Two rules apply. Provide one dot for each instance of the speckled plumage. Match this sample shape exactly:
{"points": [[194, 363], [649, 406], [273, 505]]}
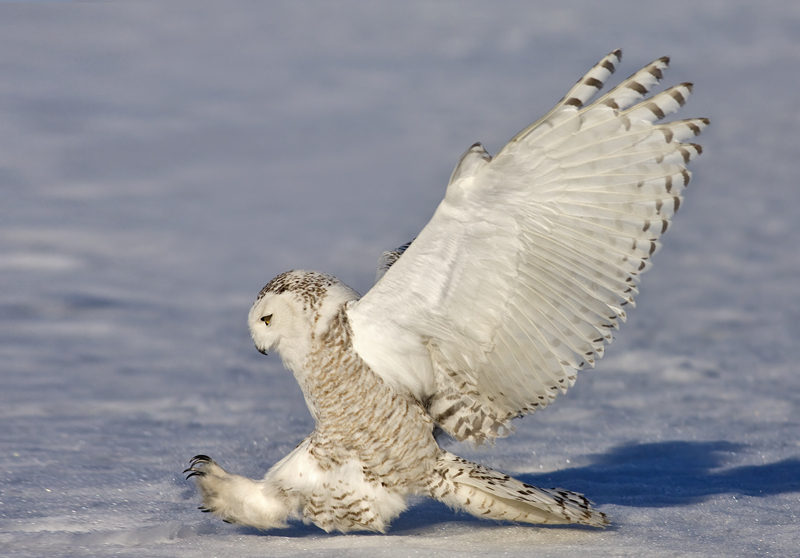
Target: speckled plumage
{"points": [[361, 420], [486, 316]]}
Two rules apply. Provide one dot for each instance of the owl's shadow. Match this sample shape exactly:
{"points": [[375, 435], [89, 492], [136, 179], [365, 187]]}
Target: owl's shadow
{"points": [[672, 473], [663, 474]]}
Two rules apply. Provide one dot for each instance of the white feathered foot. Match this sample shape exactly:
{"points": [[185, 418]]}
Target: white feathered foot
{"points": [[492, 495], [237, 499]]}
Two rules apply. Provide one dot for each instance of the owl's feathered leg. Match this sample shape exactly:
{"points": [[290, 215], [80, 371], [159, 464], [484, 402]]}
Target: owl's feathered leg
{"points": [[492, 495], [237, 499]]}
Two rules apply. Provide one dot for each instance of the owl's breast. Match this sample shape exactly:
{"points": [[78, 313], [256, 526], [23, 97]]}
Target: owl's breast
{"points": [[360, 417]]}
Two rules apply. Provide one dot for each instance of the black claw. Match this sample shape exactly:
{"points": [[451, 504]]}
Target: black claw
{"points": [[197, 460], [195, 474]]}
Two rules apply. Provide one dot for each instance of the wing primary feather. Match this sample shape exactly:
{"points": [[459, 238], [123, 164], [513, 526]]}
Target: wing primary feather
{"points": [[582, 92], [661, 105], [633, 89]]}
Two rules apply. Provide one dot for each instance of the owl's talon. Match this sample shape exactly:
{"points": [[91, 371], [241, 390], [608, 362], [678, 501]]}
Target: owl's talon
{"points": [[197, 466]]}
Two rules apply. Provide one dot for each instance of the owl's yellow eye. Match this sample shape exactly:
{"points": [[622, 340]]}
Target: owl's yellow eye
{"points": [[266, 319]]}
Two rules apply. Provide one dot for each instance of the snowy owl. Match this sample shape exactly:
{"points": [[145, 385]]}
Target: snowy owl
{"points": [[513, 286]]}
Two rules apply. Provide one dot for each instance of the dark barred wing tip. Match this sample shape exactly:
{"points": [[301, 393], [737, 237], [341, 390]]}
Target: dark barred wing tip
{"points": [[593, 81]]}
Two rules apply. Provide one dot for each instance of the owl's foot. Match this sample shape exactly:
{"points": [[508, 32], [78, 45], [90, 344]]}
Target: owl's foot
{"points": [[210, 478], [202, 466], [236, 499]]}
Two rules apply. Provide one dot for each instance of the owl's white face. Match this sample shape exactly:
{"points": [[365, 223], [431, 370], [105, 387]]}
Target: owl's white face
{"points": [[293, 308], [274, 318]]}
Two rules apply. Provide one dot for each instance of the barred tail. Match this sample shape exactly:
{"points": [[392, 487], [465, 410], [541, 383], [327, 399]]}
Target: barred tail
{"points": [[489, 494]]}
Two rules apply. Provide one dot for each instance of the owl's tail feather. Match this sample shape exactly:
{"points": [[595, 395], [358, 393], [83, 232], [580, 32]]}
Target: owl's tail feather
{"points": [[489, 494]]}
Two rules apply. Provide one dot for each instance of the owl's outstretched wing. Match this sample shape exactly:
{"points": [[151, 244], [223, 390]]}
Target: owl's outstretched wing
{"points": [[530, 260]]}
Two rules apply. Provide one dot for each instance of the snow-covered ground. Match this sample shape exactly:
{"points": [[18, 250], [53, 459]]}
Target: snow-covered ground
{"points": [[160, 162]]}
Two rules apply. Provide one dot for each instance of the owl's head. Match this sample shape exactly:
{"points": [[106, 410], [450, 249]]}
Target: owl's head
{"points": [[293, 309]]}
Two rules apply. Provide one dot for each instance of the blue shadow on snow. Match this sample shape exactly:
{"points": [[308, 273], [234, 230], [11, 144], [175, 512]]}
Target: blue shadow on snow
{"points": [[671, 473]]}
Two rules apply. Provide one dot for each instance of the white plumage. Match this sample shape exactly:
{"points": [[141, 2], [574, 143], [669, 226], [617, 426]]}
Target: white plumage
{"points": [[513, 286]]}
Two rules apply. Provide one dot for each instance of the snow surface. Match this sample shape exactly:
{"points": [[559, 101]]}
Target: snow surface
{"points": [[160, 162]]}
